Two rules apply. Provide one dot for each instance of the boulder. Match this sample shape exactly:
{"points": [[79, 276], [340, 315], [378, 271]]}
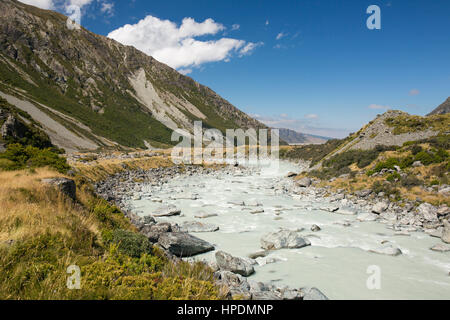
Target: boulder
{"points": [[195, 226], [166, 211], [266, 295], [380, 207], [183, 244], [446, 232], [291, 174], [204, 215], [304, 182], [387, 249], [283, 239], [363, 193], [64, 185], [443, 210], [440, 247], [330, 208], [312, 294], [427, 211], [346, 212], [315, 228], [237, 265], [367, 217]]}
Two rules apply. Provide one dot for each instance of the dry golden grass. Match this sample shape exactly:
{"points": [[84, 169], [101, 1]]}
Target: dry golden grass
{"points": [[29, 208]]}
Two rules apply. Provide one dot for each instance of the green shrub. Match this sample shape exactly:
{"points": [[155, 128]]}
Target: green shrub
{"points": [[411, 181], [21, 157], [393, 177], [108, 215], [131, 243]]}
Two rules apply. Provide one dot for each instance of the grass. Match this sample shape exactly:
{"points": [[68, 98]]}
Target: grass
{"points": [[409, 123], [49, 232]]}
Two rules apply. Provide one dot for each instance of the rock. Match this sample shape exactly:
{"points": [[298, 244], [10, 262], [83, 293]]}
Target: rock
{"points": [[315, 228], [304, 182], [236, 282], [312, 294], [443, 210], [440, 247], [204, 215], [237, 265], [259, 254], [257, 211], [283, 239], [291, 175], [427, 211], [417, 164], [346, 212], [389, 216], [166, 211], [446, 232], [183, 244], [436, 233], [265, 295], [367, 217], [13, 128], [363, 193], [380, 207], [195, 226], [252, 203], [330, 208], [387, 249], [64, 185]]}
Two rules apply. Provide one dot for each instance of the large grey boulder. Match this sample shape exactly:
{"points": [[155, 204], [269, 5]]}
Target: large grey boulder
{"points": [[196, 226], [367, 217], [304, 182], [380, 207], [227, 262], [204, 215], [64, 185], [283, 239], [446, 232], [183, 244], [166, 211], [313, 294], [427, 211]]}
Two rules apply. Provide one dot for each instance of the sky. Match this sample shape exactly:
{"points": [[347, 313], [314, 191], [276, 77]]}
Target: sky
{"points": [[313, 66]]}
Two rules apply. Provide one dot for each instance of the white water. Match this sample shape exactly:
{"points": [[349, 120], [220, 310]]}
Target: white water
{"points": [[338, 259]]}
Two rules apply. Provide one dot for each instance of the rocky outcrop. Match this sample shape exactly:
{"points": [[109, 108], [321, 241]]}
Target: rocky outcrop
{"points": [[64, 185], [166, 211], [446, 232], [13, 128], [227, 262]]}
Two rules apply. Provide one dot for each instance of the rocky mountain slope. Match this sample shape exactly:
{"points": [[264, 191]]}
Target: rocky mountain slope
{"points": [[88, 91], [293, 137], [442, 109]]}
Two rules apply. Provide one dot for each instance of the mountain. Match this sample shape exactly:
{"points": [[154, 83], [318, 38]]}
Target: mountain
{"points": [[293, 137], [442, 109], [88, 91]]}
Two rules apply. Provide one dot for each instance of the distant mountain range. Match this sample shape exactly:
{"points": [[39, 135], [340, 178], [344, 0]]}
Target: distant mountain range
{"points": [[88, 91], [293, 137], [442, 109]]}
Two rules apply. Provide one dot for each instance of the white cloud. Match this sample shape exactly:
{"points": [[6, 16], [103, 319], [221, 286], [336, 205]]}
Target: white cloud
{"points": [[377, 106], [43, 4], [108, 8], [249, 47], [235, 27], [176, 45], [267, 22], [311, 116], [280, 35], [414, 92]]}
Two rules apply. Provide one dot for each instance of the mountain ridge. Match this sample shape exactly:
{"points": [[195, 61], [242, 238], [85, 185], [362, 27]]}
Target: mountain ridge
{"points": [[110, 94]]}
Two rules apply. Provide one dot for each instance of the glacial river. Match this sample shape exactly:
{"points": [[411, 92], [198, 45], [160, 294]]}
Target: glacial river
{"points": [[338, 260]]}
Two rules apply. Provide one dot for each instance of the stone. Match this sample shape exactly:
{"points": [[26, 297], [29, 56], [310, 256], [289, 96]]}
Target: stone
{"points": [[380, 207], [330, 208], [313, 294], [291, 175], [363, 193], [183, 244], [304, 182], [387, 249], [346, 212], [265, 295], [259, 254], [440, 247], [283, 239], [227, 262], [367, 217], [195, 226], [166, 211], [443, 210], [64, 185], [204, 215], [315, 228], [417, 164], [427, 211], [446, 232]]}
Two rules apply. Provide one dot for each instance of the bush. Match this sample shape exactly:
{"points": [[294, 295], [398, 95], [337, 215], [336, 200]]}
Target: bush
{"points": [[110, 217], [393, 177], [411, 181], [386, 188], [131, 243], [21, 157]]}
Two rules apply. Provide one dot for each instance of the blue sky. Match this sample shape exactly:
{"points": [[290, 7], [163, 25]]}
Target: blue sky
{"points": [[308, 65]]}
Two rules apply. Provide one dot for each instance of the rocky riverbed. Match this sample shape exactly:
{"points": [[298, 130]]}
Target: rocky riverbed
{"points": [[265, 233]]}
